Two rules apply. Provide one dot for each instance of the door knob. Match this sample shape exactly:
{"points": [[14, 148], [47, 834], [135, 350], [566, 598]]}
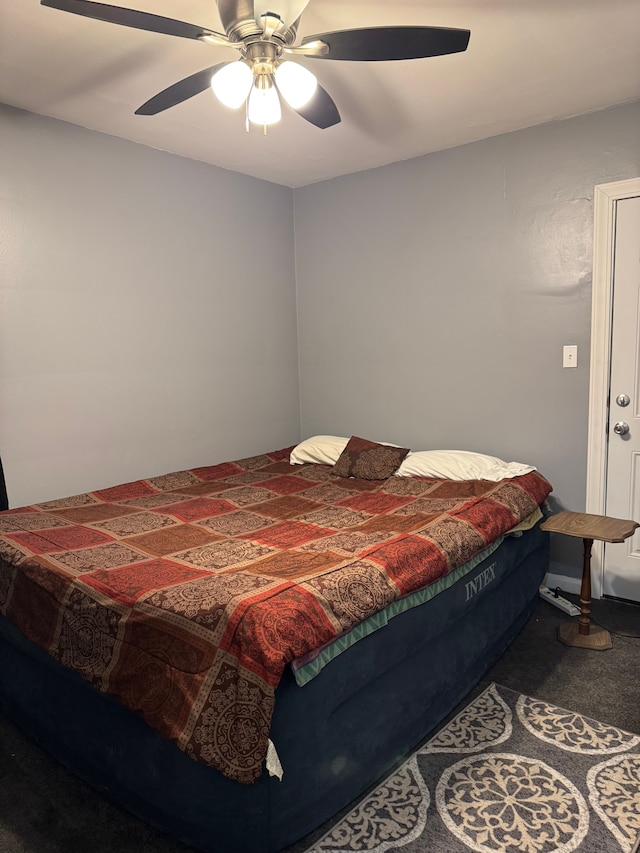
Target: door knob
{"points": [[621, 428]]}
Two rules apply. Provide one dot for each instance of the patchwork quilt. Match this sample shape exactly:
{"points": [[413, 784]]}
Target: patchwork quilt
{"points": [[184, 596]]}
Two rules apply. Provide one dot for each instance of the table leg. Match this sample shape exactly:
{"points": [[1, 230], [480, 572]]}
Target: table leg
{"points": [[584, 635], [585, 589]]}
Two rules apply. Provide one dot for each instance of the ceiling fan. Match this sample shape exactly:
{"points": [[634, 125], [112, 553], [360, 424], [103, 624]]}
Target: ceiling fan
{"points": [[265, 39]]}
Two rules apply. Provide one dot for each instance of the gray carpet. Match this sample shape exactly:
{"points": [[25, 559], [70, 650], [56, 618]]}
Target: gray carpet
{"points": [[44, 809]]}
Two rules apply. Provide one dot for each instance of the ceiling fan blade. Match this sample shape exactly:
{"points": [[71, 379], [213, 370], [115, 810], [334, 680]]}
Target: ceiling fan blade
{"points": [[321, 110], [378, 44], [179, 92], [287, 10], [131, 18]]}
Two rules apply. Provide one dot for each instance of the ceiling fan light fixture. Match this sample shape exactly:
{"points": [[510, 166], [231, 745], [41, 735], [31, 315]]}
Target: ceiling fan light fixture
{"points": [[263, 106], [262, 36], [296, 84], [232, 83]]}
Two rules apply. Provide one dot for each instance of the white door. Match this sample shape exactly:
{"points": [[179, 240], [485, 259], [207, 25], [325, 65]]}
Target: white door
{"points": [[621, 577]]}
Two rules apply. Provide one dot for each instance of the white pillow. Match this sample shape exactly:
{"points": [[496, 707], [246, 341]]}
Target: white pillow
{"points": [[459, 465], [319, 450]]}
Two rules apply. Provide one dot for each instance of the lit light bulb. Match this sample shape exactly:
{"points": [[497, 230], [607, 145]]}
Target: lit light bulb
{"points": [[264, 105], [296, 84], [231, 84]]}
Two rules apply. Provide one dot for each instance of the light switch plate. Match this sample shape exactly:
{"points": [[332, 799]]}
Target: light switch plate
{"points": [[570, 356]]}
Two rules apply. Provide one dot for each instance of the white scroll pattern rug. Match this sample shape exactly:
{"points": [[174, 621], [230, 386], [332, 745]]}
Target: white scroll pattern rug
{"points": [[509, 774]]}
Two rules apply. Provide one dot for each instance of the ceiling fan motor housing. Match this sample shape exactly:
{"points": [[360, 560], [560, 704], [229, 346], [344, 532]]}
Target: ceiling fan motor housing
{"points": [[237, 17]]}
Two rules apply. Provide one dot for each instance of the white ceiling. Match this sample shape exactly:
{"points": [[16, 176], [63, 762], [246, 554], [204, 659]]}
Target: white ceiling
{"points": [[528, 62]]}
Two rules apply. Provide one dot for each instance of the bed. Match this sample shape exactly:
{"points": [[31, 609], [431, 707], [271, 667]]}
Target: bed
{"points": [[236, 652]]}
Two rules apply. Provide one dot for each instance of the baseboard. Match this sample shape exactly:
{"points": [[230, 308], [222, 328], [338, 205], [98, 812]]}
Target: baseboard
{"points": [[565, 583]]}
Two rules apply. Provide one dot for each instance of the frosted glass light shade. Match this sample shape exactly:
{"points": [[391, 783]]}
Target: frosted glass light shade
{"points": [[231, 84], [264, 106], [296, 83]]}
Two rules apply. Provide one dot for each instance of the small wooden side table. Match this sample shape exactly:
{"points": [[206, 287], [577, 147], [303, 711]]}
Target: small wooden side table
{"points": [[588, 527]]}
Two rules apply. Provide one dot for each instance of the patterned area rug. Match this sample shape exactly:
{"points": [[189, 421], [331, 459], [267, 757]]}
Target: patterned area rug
{"points": [[509, 774]]}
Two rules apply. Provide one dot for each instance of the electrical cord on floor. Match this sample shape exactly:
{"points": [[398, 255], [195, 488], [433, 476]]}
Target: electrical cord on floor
{"points": [[616, 633], [557, 591]]}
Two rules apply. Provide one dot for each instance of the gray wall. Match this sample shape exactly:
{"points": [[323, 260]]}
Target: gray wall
{"points": [[435, 296], [141, 330]]}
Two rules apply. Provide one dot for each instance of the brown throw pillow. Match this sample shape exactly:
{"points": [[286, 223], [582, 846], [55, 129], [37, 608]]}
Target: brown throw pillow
{"points": [[368, 460]]}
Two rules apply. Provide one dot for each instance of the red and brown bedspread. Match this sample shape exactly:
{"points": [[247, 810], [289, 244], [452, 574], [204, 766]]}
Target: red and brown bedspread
{"points": [[184, 596]]}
